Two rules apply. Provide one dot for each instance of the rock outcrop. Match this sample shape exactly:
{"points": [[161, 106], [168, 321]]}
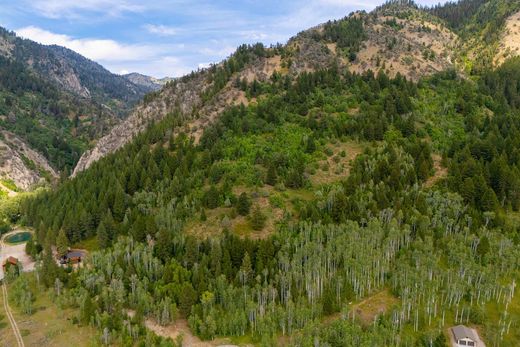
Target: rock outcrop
{"points": [[21, 164]]}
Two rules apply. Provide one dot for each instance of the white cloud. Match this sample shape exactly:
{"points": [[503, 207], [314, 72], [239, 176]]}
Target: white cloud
{"points": [[154, 60], [221, 52], [161, 30], [96, 49], [74, 8]]}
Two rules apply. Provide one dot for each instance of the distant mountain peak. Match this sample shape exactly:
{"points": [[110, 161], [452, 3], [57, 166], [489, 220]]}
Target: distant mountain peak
{"points": [[147, 81]]}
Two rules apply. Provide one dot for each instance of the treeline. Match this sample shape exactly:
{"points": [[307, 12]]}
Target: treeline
{"points": [[457, 13]]}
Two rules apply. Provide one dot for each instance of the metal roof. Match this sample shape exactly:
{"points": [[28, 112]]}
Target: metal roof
{"points": [[462, 332], [74, 254]]}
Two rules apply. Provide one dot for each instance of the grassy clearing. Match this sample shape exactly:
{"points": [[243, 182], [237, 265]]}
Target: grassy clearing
{"points": [[273, 204], [440, 172], [49, 325], [336, 162], [369, 309]]}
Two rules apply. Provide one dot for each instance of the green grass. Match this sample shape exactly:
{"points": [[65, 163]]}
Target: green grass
{"points": [[88, 244], [50, 325], [8, 183]]}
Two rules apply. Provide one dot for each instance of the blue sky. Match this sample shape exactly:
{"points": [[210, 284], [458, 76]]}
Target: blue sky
{"points": [[167, 37]]}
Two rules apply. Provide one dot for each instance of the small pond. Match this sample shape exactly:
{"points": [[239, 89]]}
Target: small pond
{"points": [[20, 237]]}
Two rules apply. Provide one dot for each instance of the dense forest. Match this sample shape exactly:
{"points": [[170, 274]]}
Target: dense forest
{"points": [[363, 233], [326, 189]]}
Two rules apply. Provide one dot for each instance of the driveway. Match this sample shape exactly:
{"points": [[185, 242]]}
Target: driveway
{"points": [[17, 251]]}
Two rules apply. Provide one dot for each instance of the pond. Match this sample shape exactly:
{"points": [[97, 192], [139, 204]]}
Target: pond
{"points": [[23, 236]]}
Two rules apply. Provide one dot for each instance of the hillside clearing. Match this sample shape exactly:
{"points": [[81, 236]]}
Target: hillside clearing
{"points": [[337, 165]]}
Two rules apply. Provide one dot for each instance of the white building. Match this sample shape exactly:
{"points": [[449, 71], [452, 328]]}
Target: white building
{"points": [[464, 336]]}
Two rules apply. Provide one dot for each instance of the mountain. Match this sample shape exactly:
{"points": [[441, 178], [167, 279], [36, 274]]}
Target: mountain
{"points": [[73, 72], [151, 83], [57, 102], [357, 186], [392, 38]]}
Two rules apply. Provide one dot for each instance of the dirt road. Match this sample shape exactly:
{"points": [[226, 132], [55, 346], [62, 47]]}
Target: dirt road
{"points": [[11, 319], [7, 309]]}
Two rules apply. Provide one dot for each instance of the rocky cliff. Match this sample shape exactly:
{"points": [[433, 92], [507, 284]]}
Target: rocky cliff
{"points": [[21, 164]]}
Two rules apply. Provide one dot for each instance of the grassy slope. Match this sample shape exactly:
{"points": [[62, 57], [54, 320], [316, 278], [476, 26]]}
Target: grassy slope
{"points": [[49, 325]]}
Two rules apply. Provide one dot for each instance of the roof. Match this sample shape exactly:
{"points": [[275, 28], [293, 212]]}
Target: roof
{"points": [[11, 260], [462, 332], [74, 254]]}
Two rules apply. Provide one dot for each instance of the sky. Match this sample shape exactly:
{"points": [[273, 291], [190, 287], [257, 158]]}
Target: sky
{"points": [[168, 37]]}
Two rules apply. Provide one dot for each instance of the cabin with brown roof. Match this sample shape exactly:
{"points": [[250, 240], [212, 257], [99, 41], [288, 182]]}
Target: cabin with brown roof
{"points": [[73, 256], [11, 261]]}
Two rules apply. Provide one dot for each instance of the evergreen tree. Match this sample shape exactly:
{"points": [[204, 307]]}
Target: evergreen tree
{"points": [[103, 236], [271, 176], [243, 204], [257, 219], [62, 243]]}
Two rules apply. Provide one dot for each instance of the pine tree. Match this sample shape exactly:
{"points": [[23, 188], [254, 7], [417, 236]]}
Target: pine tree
{"points": [[257, 219], [62, 243], [243, 204], [119, 204], [103, 236], [483, 247], [271, 176], [87, 310], [212, 198]]}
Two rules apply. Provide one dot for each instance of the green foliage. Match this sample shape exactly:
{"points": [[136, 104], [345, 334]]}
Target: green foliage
{"points": [[243, 204], [445, 252], [348, 33], [62, 243], [22, 295], [257, 219]]}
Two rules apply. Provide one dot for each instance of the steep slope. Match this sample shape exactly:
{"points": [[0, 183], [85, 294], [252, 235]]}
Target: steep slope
{"points": [[405, 41], [487, 29], [509, 45], [21, 164], [396, 39]]}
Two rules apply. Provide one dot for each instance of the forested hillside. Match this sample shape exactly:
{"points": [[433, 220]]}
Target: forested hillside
{"points": [[298, 201]]}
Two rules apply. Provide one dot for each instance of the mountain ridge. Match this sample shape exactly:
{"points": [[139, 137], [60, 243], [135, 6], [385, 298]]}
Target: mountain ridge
{"points": [[424, 50]]}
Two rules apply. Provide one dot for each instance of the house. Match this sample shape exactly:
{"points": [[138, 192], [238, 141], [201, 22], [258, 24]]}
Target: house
{"points": [[72, 257], [464, 336], [11, 261]]}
